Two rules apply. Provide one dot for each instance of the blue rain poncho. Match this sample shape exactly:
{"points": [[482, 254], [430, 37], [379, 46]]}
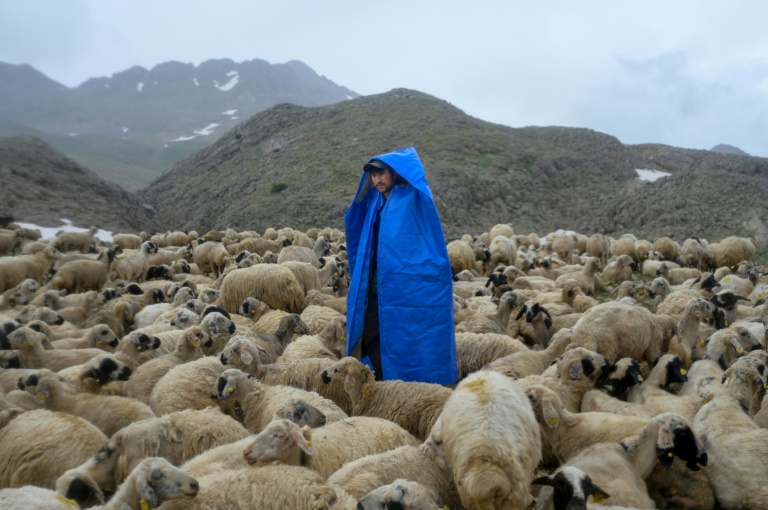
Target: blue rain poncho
{"points": [[414, 275]]}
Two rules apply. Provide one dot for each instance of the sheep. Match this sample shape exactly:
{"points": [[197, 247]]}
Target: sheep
{"points": [[260, 402], [491, 441], [301, 254], [313, 347], [692, 253], [32, 354], [610, 396], [425, 463], [99, 336], [732, 250], [14, 270], [737, 447], [177, 437], [301, 413], [109, 413], [74, 241], [616, 330], [571, 488], [619, 269], [620, 468], [274, 285], [566, 432], [129, 241], [704, 378], [413, 405], [677, 276], [728, 301], [476, 350], [186, 386], [586, 278], [30, 497], [654, 392], [273, 487], [695, 311], [461, 256], [328, 448], [537, 328], [317, 318], [150, 314], [30, 313], [211, 257], [146, 375], [599, 246], [402, 493], [39, 445], [92, 376], [528, 362], [152, 482], [83, 275], [132, 265]]}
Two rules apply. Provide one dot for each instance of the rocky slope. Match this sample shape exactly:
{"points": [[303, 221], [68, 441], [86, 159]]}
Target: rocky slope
{"points": [[299, 167], [42, 186]]}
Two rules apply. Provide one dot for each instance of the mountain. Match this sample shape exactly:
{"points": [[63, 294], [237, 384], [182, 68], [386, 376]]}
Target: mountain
{"points": [[42, 186], [130, 127], [728, 149], [298, 166]]}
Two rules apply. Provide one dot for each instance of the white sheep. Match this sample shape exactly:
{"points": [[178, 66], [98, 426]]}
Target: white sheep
{"points": [[415, 406], [177, 437], [616, 330], [737, 447], [260, 402], [404, 494], [273, 487], [186, 386], [491, 441], [38, 446], [328, 448], [108, 412], [272, 284], [425, 464], [529, 362]]}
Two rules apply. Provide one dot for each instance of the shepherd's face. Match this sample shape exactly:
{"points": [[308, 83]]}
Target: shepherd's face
{"points": [[384, 181]]}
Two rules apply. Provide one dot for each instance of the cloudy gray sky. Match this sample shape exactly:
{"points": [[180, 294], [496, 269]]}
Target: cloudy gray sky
{"points": [[689, 73]]}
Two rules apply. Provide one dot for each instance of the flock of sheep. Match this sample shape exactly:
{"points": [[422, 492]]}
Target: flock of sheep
{"points": [[181, 371]]}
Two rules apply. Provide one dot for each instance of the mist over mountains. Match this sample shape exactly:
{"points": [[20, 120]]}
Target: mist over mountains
{"points": [[130, 127]]}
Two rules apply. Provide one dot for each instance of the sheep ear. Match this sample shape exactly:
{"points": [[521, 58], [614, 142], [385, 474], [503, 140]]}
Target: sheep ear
{"points": [[551, 415], [543, 480], [147, 496], [246, 357], [303, 438], [736, 345], [522, 312], [576, 371]]}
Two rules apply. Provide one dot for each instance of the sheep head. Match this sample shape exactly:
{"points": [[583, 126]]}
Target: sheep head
{"points": [[281, 440]]}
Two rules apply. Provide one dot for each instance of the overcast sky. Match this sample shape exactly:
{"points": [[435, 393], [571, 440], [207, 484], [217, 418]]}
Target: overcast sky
{"points": [[685, 73]]}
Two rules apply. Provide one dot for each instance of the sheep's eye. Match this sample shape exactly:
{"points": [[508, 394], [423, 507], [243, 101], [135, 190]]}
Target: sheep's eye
{"points": [[103, 332]]}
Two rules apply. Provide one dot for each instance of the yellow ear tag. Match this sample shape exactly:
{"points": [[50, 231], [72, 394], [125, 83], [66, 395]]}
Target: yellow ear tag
{"points": [[40, 396], [765, 386], [739, 349], [138, 347], [31, 343], [708, 398], [99, 343], [703, 343], [98, 380], [670, 454], [195, 343], [253, 312], [143, 504], [295, 330], [309, 443], [552, 421], [683, 371], [598, 498], [727, 324], [640, 378], [230, 390]]}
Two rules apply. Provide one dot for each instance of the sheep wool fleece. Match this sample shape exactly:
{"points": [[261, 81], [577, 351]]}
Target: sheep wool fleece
{"points": [[414, 275]]}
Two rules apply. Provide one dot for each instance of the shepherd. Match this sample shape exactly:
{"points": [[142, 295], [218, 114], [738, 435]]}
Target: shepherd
{"points": [[400, 300]]}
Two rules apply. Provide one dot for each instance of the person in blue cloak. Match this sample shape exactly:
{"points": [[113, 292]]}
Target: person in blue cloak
{"points": [[400, 300]]}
